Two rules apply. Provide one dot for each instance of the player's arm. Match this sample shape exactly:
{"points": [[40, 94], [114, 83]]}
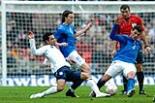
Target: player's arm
{"points": [[114, 43], [58, 35], [115, 36], [57, 45], [45, 64], [117, 20], [144, 36], [61, 44], [34, 51], [145, 39], [84, 30]]}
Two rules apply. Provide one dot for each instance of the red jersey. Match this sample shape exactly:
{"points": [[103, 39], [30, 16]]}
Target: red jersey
{"points": [[125, 26]]}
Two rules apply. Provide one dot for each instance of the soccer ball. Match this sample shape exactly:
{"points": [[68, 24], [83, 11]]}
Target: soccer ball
{"points": [[111, 87]]}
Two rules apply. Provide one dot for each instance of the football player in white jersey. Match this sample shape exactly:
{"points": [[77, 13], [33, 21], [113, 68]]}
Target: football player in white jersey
{"points": [[61, 69]]}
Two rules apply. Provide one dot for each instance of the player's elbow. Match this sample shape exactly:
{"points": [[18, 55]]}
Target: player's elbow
{"points": [[34, 52], [112, 37]]}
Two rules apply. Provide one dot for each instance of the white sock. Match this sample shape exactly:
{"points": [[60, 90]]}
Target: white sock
{"points": [[91, 83], [71, 89], [51, 90]]}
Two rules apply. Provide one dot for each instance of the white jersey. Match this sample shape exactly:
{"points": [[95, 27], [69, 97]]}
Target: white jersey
{"points": [[52, 53]]}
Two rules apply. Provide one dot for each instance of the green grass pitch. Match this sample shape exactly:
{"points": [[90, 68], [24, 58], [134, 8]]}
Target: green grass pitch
{"points": [[21, 95]]}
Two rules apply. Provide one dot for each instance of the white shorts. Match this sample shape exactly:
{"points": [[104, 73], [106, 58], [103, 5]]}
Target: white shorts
{"points": [[74, 56], [118, 67]]}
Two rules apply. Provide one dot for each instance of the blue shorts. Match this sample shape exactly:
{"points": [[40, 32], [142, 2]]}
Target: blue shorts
{"points": [[140, 57], [67, 74]]}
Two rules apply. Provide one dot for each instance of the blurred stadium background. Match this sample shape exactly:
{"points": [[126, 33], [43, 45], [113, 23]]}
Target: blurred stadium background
{"points": [[19, 17]]}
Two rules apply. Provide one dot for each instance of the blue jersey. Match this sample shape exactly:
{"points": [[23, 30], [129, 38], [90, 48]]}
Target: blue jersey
{"points": [[66, 33], [129, 47]]}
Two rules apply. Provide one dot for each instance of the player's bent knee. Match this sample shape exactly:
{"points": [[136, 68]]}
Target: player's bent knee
{"points": [[85, 76], [131, 75], [85, 68]]}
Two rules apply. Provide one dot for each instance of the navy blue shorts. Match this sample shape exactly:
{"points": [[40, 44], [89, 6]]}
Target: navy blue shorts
{"points": [[67, 74], [140, 57]]}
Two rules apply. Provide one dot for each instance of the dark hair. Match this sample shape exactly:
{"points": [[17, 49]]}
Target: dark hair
{"points": [[138, 28], [124, 7], [65, 14], [46, 36]]}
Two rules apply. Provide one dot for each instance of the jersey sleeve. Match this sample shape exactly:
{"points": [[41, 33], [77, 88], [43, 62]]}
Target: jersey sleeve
{"points": [[115, 36], [35, 51], [140, 22]]}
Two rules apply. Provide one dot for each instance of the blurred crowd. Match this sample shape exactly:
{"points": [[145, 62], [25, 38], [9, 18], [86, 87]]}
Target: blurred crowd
{"points": [[95, 46]]}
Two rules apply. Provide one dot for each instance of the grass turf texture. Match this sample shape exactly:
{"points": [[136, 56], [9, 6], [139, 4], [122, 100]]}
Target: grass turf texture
{"points": [[21, 95]]}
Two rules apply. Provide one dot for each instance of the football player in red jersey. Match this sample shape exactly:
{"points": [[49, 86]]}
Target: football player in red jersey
{"points": [[126, 22]]}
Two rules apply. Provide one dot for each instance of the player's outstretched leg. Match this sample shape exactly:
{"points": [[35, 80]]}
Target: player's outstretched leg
{"points": [[100, 83], [55, 89], [91, 83], [130, 87], [51, 90]]}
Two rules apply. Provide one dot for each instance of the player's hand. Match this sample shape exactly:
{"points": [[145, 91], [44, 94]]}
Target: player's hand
{"points": [[64, 44], [113, 53], [30, 35], [92, 21], [118, 19], [61, 44], [89, 25], [147, 50]]}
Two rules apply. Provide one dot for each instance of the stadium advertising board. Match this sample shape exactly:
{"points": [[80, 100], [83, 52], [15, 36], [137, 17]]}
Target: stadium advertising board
{"points": [[46, 80]]}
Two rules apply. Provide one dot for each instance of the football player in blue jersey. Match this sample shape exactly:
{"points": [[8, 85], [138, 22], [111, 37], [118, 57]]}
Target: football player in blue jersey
{"points": [[125, 58], [66, 33]]}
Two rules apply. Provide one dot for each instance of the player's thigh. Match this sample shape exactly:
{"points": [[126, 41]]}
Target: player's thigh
{"points": [[62, 73], [62, 76], [114, 69], [129, 70], [75, 57]]}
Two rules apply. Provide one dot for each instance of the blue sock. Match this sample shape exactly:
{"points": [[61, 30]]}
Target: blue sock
{"points": [[131, 84]]}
